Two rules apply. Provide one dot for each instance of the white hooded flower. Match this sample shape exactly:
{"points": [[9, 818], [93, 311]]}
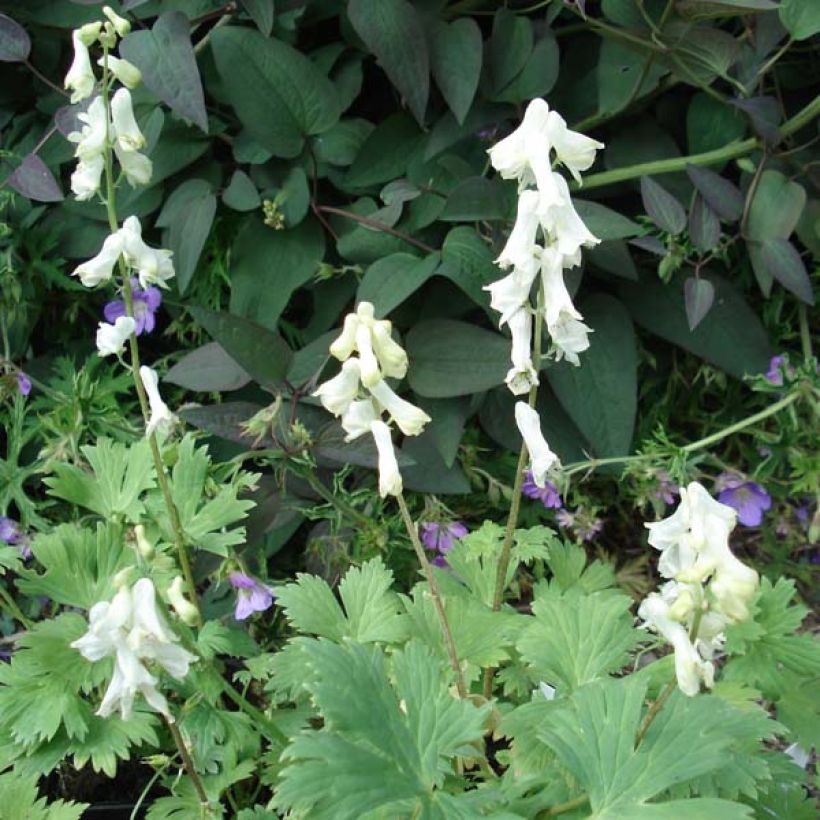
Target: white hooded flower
{"points": [[368, 363], [522, 376], [136, 166], [391, 355], [131, 629], [574, 150], [121, 25], [181, 605], [111, 339], [337, 393], [127, 73], [101, 267], [390, 482], [563, 321], [734, 586], [80, 79], [521, 252], [690, 669], [89, 33], [344, 345], [127, 132], [509, 294], [542, 458], [693, 540], [560, 221], [92, 136], [87, 178], [409, 418], [153, 266], [161, 418], [358, 417]]}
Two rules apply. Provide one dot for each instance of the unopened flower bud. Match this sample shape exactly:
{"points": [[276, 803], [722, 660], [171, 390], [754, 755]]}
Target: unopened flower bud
{"points": [[144, 546], [182, 606], [121, 25], [88, 33]]}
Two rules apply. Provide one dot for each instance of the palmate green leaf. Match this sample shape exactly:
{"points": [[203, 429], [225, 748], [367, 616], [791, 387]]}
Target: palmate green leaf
{"points": [[575, 638], [372, 611], [79, 564], [205, 521], [381, 750], [119, 475], [10, 559], [570, 570], [112, 739], [20, 801], [593, 734]]}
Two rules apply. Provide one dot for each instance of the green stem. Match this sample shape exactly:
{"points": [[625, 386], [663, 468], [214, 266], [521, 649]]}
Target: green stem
{"points": [[14, 610], [449, 643], [656, 707], [718, 155], [805, 333], [128, 297], [272, 730], [188, 763], [562, 808], [342, 506]]}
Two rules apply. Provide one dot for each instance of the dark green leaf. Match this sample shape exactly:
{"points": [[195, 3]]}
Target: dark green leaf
{"points": [[614, 257], [604, 222], [241, 193], [779, 259], [776, 207], [764, 113], [664, 210], [207, 369], [711, 124], [730, 337], [455, 58], [390, 280], [181, 199], [386, 153], [167, 61], [264, 355], [450, 358], [699, 296], [187, 235], [468, 262], [619, 69], [538, 75], [601, 395], [224, 420], [448, 419], [723, 197], [261, 12], [392, 30], [268, 265], [801, 18], [477, 199], [429, 473], [15, 44], [509, 47], [280, 96], [340, 144], [33, 180], [704, 226]]}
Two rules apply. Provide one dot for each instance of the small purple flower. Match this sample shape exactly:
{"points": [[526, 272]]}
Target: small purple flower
{"points": [[777, 366], [666, 489], [23, 383], [440, 561], [146, 304], [12, 535], [441, 537], [747, 497], [251, 595], [548, 495], [583, 525]]}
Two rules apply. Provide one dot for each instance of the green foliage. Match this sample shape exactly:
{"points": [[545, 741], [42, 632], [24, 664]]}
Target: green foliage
{"points": [[388, 749], [20, 801]]}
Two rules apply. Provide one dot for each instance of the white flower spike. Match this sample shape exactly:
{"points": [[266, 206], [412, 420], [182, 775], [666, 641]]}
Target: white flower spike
{"points": [[92, 136], [161, 419], [111, 339], [87, 178], [542, 459]]}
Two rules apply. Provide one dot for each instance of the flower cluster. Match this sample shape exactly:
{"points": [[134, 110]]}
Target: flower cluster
{"points": [[441, 538], [130, 628], [105, 125], [708, 589], [359, 394], [525, 155]]}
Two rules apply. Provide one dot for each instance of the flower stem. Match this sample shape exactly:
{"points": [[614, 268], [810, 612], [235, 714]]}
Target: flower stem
{"points": [[269, 727], [188, 763], [342, 506], [805, 334], [447, 634], [656, 706], [162, 478]]}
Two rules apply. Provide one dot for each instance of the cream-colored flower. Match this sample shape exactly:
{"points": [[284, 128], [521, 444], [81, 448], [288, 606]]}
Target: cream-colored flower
{"points": [[111, 339], [562, 224], [510, 293], [161, 418], [89, 33], [409, 418], [358, 417], [153, 265], [92, 136], [563, 321], [542, 459], [390, 482], [182, 606], [80, 79], [137, 168], [390, 354], [127, 73], [522, 375], [521, 251], [344, 345], [337, 393], [574, 150], [121, 25], [87, 178], [101, 267], [126, 131]]}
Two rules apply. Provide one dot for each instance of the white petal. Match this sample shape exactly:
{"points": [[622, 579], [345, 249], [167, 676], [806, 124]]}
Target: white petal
{"points": [[137, 168], [126, 131], [161, 417], [111, 339], [522, 376], [542, 459], [357, 418], [337, 393], [508, 294], [87, 178], [409, 418], [390, 482], [127, 73], [345, 343], [80, 79], [391, 356], [520, 250], [368, 363], [101, 267], [574, 150]]}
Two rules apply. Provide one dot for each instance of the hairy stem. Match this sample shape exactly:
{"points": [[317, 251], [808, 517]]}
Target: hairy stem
{"points": [[128, 297], [447, 634]]}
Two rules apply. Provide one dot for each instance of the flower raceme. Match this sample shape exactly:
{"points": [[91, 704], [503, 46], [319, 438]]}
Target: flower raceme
{"points": [[709, 586], [130, 629], [369, 355]]}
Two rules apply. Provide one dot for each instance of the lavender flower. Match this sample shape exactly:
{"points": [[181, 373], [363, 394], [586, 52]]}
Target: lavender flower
{"points": [[146, 303], [548, 495], [440, 561], [12, 535], [441, 537], [23, 383], [777, 367], [748, 498], [584, 526], [251, 595], [666, 489]]}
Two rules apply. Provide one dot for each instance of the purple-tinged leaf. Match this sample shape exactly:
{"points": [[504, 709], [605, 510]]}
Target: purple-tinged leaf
{"points": [[66, 117], [722, 196], [664, 210], [776, 207], [34, 181], [208, 369], [764, 115], [699, 296], [15, 44], [704, 226], [225, 420], [650, 244], [779, 259]]}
